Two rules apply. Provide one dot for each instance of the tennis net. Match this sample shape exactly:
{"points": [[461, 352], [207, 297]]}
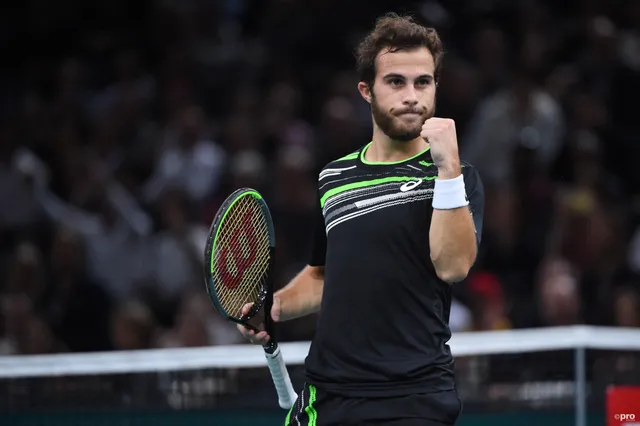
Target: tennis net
{"points": [[551, 376]]}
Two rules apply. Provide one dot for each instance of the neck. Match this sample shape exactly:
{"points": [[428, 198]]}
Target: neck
{"points": [[385, 149]]}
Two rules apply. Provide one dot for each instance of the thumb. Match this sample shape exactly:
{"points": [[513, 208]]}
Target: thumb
{"points": [[246, 309], [276, 310]]}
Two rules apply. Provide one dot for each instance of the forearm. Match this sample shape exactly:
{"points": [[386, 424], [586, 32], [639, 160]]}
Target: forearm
{"points": [[302, 296], [453, 243], [452, 238]]}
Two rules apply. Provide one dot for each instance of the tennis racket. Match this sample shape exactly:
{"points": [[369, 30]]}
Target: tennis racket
{"points": [[239, 258]]}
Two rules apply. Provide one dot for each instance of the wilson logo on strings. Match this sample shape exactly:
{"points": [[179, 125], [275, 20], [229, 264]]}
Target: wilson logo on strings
{"points": [[239, 253]]}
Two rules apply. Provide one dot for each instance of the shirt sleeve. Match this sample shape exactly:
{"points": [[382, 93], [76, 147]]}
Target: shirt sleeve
{"points": [[319, 247], [475, 194]]}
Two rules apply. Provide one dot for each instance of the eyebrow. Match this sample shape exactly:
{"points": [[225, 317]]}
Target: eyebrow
{"points": [[393, 75]]}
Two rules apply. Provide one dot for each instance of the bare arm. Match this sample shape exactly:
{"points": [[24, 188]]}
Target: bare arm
{"points": [[455, 234], [453, 243], [303, 294]]}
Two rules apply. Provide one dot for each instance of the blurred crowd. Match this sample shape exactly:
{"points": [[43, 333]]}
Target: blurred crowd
{"points": [[123, 125]]}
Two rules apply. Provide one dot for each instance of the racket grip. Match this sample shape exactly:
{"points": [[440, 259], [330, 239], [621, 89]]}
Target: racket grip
{"points": [[286, 394]]}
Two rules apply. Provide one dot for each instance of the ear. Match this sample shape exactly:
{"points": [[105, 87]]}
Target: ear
{"points": [[365, 91]]}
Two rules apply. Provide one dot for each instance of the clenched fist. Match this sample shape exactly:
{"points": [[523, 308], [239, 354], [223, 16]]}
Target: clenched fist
{"points": [[440, 134]]}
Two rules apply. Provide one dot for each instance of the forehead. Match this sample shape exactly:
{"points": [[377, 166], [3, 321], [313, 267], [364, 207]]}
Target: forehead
{"points": [[414, 62]]}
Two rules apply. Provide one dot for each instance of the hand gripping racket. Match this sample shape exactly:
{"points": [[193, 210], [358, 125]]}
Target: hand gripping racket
{"points": [[239, 259]]}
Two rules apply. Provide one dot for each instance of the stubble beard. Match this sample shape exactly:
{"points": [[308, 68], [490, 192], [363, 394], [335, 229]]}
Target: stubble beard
{"points": [[388, 123]]}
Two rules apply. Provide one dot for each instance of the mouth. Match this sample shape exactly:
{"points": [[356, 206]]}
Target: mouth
{"points": [[411, 114]]}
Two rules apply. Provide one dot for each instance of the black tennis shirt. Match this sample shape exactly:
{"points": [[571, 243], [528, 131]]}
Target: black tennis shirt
{"points": [[383, 326]]}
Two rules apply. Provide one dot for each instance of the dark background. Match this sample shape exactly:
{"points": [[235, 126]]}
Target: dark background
{"points": [[123, 126]]}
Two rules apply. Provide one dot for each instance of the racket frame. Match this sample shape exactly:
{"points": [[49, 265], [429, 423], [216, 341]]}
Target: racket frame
{"points": [[265, 294]]}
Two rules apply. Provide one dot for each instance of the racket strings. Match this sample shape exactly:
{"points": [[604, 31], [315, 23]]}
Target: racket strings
{"points": [[242, 255]]}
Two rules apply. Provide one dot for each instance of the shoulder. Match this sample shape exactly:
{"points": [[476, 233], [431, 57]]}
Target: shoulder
{"points": [[347, 162]]}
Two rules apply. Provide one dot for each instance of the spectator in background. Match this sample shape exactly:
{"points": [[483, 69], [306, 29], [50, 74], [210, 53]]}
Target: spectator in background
{"points": [[20, 210], [489, 50], [559, 301], [112, 225], [520, 115], [293, 207], [78, 307], [22, 300], [248, 169], [27, 275], [488, 302], [25, 332], [198, 325], [627, 306], [176, 256], [187, 159], [132, 326]]}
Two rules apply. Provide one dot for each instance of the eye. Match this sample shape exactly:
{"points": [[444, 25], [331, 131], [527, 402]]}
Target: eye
{"points": [[395, 82], [423, 82]]}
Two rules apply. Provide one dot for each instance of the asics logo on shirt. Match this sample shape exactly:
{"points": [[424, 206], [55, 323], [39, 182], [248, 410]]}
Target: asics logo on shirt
{"points": [[410, 185]]}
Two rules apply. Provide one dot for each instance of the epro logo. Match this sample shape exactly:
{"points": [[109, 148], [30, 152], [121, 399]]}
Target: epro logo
{"points": [[625, 417]]}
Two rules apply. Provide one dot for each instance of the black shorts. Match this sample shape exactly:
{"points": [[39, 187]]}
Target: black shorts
{"points": [[315, 407]]}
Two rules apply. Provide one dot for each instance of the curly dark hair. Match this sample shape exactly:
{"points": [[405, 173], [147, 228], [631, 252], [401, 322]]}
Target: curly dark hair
{"points": [[392, 33]]}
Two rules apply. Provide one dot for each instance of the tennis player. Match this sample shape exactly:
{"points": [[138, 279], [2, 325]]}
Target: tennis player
{"points": [[399, 222]]}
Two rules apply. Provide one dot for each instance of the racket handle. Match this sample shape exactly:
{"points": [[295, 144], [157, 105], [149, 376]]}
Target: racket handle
{"points": [[286, 394]]}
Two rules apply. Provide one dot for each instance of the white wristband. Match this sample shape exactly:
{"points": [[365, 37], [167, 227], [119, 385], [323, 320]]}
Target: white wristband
{"points": [[449, 194]]}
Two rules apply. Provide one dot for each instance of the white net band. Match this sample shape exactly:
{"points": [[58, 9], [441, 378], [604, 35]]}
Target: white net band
{"points": [[465, 344]]}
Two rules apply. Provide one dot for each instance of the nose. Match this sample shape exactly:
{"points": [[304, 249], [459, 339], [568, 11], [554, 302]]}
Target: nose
{"points": [[410, 96]]}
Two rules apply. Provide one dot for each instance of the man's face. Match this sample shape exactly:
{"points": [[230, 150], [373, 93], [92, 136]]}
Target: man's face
{"points": [[403, 95]]}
